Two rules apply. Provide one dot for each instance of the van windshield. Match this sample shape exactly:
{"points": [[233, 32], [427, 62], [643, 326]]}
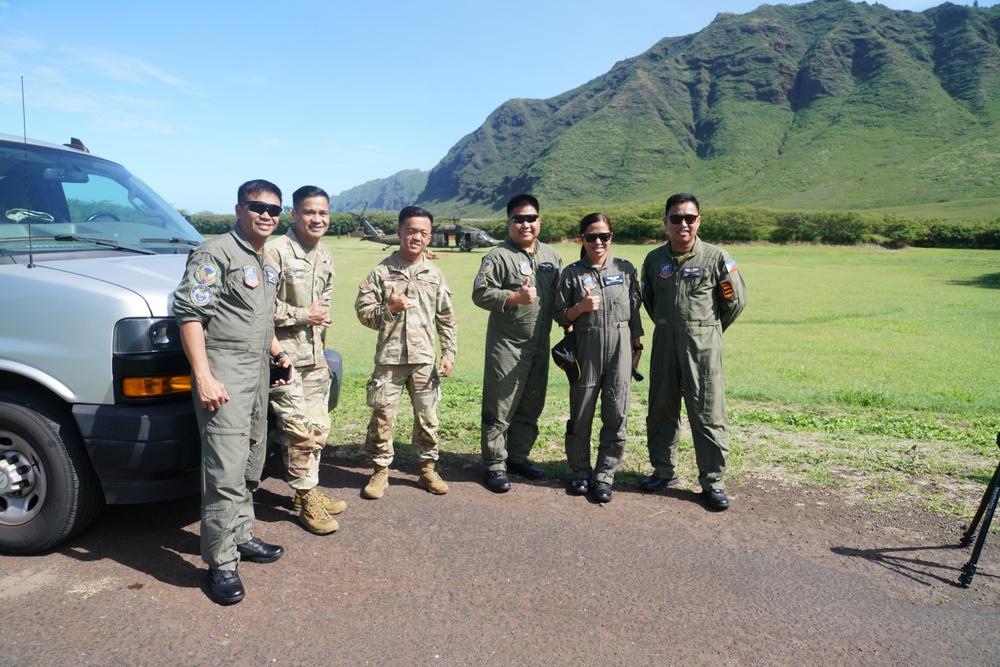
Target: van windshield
{"points": [[68, 201]]}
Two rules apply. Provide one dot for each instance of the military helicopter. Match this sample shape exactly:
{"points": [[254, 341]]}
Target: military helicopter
{"points": [[454, 235]]}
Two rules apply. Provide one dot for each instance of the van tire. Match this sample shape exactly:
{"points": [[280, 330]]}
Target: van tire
{"points": [[48, 490]]}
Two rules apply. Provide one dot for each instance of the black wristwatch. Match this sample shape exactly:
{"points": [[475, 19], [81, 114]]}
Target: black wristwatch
{"points": [[636, 348], [278, 356]]}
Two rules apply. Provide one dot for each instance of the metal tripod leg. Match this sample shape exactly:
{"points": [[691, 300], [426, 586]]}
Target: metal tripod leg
{"points": [[985, 512]]}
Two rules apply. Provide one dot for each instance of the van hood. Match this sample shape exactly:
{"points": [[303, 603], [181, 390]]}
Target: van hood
{"points": [[153, 277]]}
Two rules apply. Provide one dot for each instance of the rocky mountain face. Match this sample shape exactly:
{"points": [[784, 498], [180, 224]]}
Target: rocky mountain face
{"points": [[828, 104], [382, 194]]}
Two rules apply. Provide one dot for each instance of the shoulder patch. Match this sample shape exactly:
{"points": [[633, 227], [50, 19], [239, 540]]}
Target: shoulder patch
{"points": [[480, 279], [201, 295], [487, 265], [731, 265], [206, 274], [728, 293]]}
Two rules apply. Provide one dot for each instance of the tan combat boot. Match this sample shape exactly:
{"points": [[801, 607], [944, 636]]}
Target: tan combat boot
{"points": [[313, 515], [378, 483], [430, 480], [331, 505]]}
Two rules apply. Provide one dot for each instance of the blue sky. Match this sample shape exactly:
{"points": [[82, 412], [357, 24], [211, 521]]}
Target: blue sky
{"points": [[197, 97]]}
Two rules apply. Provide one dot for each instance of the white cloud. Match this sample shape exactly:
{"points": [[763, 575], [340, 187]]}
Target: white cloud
{"points": [[372, 147], [272, 142], [121, 67]]}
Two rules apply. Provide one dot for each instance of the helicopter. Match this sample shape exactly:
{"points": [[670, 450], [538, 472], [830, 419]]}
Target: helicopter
{"points": [[454, 235]]}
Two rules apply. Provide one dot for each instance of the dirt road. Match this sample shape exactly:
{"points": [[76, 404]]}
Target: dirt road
{"points": [[534, 577]]}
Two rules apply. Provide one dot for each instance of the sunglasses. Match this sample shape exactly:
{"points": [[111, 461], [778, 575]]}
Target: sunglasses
{"points": [[677, 218], [521, 219], [603, 237], [260, 208]]}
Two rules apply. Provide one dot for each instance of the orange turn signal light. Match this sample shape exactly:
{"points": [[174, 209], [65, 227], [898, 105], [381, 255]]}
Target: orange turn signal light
{"points": [[153, 387]]}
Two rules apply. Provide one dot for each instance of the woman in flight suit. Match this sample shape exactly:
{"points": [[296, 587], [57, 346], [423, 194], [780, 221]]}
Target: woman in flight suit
{"points": [[599, 298]]}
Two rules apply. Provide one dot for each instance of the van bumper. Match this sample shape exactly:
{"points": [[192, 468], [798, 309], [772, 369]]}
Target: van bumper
{"points": [[144, 453]]}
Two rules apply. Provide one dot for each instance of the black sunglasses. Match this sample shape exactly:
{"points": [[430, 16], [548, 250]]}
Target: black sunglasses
{"points": [[260, 208], [593, 238], [677, 218], [520, 219]]}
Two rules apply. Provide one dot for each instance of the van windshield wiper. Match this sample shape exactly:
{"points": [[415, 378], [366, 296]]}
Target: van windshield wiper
{"points": [[111, 244], [172, 239]]}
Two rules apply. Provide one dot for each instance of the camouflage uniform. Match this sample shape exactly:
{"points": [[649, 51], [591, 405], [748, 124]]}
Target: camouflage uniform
{"points": [[691, 302], [405, 352], [604, 352], [516, 368], [229, 288], [305, 275]]}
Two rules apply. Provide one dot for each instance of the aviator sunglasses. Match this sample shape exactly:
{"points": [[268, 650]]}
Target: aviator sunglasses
{"points": [[260, 208], [603, 237], [521, 219], [677, 218]]}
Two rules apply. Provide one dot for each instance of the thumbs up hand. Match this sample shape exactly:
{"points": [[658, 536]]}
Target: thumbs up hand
{"points": [[525, 294], [590, 302]]}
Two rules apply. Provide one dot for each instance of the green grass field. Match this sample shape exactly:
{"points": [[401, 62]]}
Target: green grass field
{"points": [[865, 369]]}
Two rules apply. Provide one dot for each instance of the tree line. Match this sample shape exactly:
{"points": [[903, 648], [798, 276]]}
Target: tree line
{"points": [[634, 223]]}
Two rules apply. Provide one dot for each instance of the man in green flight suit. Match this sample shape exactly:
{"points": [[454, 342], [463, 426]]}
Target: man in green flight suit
{"points": [[517, 283], [693, 292], [224, 308]]}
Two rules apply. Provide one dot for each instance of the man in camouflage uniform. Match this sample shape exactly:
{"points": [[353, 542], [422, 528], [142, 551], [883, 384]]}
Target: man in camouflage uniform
{"points": [[305, 285], [405, 298], [693, 292], [517, 283], [224, 307]]}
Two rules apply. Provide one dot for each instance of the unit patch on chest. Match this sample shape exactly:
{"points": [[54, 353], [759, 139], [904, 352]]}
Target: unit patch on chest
{"points": [[666, 270], [250, 277]]}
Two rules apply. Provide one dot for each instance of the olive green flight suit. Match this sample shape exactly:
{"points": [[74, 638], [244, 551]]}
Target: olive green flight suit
{"points": [[230, 289], [604, 352], [516, 368], [691, 304]]}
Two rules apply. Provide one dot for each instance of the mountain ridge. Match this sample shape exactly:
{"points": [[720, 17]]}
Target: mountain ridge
{"points": [[826, 104]]}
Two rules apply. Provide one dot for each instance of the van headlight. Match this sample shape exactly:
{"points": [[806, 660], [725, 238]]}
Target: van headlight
{"points": [[149, 361]]}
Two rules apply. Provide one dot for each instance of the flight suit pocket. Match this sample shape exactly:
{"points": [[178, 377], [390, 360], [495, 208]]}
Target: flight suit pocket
{"points": [[713, 402]]}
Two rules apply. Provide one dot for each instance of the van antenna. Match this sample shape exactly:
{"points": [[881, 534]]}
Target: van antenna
{"points": [[27, 194]]}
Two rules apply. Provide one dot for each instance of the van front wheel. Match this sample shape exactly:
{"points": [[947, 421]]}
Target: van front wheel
{"points": [[48, 491]]}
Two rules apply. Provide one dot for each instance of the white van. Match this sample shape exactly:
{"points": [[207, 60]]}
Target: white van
{"points": [[95, 402]]}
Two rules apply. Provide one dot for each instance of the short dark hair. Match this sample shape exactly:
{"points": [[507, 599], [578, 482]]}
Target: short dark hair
{"points": [[256, 187], [414, 212], [681, 198], [307, 191], [588, 220], [522, 200]]}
